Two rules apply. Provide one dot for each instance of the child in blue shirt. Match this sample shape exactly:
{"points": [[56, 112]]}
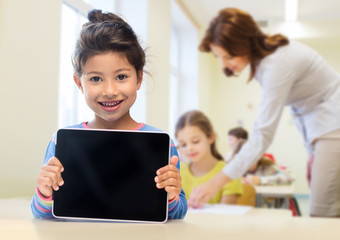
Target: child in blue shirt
{"points": [[108, 62]]}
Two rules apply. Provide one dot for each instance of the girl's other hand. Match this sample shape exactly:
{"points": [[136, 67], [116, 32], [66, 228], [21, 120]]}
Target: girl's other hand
{"points": [[49, 178], [202, 194], [168, 177]]}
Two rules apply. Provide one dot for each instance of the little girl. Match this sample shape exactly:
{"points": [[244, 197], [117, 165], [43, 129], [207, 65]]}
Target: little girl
{"points": [[108, 62], [196, 139]]}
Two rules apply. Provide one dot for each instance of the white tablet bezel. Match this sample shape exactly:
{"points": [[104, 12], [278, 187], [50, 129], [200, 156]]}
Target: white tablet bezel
{"points": [[115, 220]]}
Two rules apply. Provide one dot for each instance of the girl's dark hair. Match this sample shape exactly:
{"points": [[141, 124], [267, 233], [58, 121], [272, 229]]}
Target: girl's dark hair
{"points": [[107, 32], [239, 132], [238, 33], [198, 119], [238, 147]]}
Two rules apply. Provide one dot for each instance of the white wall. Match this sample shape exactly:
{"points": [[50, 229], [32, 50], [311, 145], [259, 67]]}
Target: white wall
{"points": [[207, 77], [29, 47], [158, 41], [184, 66]]}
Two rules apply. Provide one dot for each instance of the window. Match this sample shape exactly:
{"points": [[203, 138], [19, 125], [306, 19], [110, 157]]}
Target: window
{"points": [[184, 67]]}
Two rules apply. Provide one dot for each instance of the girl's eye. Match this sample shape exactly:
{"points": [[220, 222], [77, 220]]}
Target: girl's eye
{"points": [[95, 79], [196, 142], [121, 77], [182, 145]]}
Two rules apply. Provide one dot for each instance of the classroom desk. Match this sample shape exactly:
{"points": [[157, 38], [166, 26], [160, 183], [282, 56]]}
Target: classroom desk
{"points": [[264, 224], [279, 192]]}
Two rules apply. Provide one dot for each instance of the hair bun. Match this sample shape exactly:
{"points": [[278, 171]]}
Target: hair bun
{"points": [[95, 15]]}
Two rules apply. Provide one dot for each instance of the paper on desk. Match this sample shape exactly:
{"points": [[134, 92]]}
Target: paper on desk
{"points": [[225, 209]]}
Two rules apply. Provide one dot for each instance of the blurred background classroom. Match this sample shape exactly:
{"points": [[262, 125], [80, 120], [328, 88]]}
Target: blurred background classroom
{"points": [[38, 94]]}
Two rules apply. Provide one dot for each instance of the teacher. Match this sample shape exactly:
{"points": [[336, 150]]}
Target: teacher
{"points": [[289, 73]]}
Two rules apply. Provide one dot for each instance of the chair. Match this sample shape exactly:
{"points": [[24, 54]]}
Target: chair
{"points": [[248, 198], [294, 207]]}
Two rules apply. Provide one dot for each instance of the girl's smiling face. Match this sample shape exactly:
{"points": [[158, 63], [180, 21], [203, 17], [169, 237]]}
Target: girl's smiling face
{"points": [[194, 143], [109, 84]]}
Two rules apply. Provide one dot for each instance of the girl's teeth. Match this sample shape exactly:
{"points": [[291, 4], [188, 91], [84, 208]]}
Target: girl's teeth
{"points": [[110, 104]]}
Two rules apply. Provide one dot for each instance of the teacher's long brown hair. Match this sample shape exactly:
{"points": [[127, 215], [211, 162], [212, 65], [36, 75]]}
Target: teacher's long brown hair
{"points": [[238, 33]]}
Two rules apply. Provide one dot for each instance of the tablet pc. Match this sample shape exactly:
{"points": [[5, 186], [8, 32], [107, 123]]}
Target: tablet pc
{"points": [[109, 175]]}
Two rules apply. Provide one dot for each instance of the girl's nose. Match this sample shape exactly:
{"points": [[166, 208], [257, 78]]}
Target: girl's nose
{"points": [[190, 146], [110, 89]]}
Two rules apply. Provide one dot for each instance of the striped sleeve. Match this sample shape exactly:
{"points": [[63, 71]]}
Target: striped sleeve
{"points": [[41, 207]]}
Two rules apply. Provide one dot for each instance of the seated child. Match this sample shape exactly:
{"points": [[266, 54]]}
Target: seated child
{"points": [[234, 136], [108, 62], [197, 142], [265, 171]]}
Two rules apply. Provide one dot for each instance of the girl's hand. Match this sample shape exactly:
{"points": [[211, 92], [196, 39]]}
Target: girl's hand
{"points": [[200, 195], [50, 177], [168, 177]]}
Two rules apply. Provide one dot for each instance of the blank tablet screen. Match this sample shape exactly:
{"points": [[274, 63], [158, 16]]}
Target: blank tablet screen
{"points": [[109, 175]]}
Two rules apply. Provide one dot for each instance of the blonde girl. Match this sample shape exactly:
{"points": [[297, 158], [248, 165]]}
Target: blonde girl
{"points": [[197, 142]]}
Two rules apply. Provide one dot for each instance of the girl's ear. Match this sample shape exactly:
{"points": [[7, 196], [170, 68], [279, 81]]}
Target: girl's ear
{"points": [[211, 139], [139, 79], [78, 82]]}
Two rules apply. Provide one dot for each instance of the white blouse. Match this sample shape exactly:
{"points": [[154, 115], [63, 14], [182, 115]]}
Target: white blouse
{"points": [[297, 76]]}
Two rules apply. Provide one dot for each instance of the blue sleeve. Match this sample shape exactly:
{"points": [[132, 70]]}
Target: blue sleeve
{"points": [[178, 207], [42, 207]]}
